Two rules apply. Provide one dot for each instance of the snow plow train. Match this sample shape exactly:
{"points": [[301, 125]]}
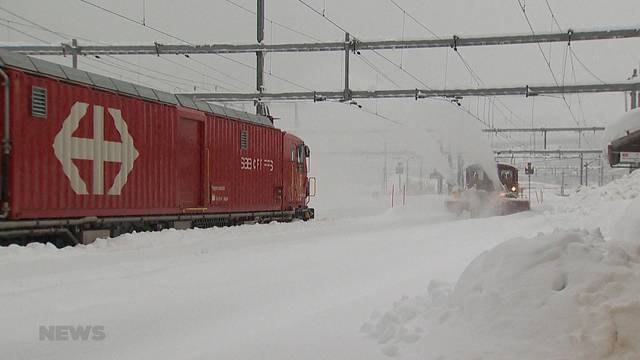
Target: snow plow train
{"points": [[480, 197], [87, 156]]}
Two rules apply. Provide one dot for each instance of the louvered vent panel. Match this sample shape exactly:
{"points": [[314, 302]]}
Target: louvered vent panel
{"points": [[38, 102]]}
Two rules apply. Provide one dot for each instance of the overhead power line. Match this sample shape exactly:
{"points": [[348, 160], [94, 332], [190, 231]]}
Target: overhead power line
{"points": [[277, 23], [377, 70], [553, 16], [172, 83], [471, 71], [135, 21], [408, 13], [322, 14], [573, 53], [378, 115], [402, 69], [233, 78], [41, 27], [97, 64], [23, 32], [367, 62], [185, 81], [61, 35], [548, 62], [164, 58], [188, 43], [533, 32], [359, 43]]}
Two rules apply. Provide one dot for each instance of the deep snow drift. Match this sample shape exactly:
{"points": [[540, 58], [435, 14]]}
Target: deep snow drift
{"points": [[564, 295], [568, 294]]}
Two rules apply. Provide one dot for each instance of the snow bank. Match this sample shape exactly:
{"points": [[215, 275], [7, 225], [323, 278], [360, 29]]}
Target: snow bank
{"points": [[564, 295], [625, 188], [591, 207]]}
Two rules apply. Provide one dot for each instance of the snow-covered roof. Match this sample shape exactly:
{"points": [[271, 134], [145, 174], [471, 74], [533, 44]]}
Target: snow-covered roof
{"points": [[47, 68], [627, 124]]}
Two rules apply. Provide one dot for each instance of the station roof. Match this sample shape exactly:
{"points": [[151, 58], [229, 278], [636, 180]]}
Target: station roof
{"points": [[50, 69]]}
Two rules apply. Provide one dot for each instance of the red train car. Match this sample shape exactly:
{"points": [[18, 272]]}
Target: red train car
{"points": [[86, 156]]}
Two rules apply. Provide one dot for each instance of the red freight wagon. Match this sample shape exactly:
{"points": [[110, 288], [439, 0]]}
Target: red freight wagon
{"points": [[86, 155]]}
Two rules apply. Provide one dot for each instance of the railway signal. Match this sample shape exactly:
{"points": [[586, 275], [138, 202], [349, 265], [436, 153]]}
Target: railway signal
{"points": [[529, 171]]}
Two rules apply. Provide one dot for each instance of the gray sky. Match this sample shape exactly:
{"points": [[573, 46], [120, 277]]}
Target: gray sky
{"points": [[212, 21]]}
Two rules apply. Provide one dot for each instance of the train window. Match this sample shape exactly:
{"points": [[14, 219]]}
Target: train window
{"points": [[244, 140], [293, 152], [506, 174], [38, 102], [300, 153]]}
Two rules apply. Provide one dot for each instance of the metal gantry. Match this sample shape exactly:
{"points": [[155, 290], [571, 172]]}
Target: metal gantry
{"points": [[260, 107], [545, 130], [547, 152], [351, 44], [420, 93], [578, 154], [354, 44]]}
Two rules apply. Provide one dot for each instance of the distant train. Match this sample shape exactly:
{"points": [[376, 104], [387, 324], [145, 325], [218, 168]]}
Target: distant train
{"points": [[479, 196], [476, 177], [87, 156]]}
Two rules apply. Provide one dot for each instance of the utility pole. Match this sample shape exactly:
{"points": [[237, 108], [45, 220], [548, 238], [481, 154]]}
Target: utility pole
{"points": [[460, 172], [601, 181], [347, 92], [399, 171], [406, 175], [581, 167], [586, 174], [632, 94], [579, 139], [260, 110], [74, 56]]}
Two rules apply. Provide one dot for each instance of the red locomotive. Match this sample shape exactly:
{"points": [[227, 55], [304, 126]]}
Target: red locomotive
{"points": [[87, 156]]}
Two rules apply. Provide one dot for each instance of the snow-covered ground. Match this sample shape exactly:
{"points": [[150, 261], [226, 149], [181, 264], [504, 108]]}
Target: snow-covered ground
{"points": [[391, 282], [565, 294]]}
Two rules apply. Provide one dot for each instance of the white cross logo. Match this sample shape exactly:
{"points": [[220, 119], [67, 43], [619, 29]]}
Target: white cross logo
{"points": [[67, 148]]}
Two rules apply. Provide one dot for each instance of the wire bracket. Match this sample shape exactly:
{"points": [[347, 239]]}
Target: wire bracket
{"points": [[528, 92]]}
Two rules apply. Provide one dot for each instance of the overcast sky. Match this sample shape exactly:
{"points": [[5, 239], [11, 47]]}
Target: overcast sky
{"points": [[218, 21]]}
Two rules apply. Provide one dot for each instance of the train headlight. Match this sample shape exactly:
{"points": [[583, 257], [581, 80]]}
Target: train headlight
{"points": [[513, 188]]}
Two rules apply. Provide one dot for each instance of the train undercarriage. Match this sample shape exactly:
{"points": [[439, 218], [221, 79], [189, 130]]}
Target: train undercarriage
{"points": [[70, 232]]}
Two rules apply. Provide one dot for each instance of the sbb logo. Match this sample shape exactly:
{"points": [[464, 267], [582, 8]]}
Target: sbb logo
{"points": [[97, 149]]}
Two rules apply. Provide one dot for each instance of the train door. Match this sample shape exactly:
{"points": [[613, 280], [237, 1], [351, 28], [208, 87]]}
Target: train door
{"points": [[295, 173], [189, 163]]}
